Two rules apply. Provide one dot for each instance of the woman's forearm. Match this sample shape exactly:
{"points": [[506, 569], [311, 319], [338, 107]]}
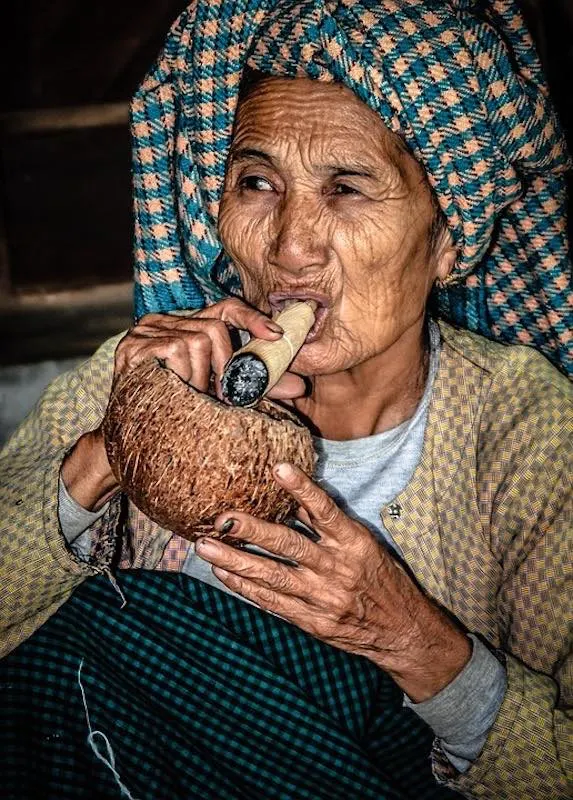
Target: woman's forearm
{"points": [[86, 472]]}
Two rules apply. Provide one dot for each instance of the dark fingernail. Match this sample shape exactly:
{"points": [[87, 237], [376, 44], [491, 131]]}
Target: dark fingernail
{"points": [[254, 550], [239, 545], [308, 385], [227, 526], [305, 530], [311, 534]]}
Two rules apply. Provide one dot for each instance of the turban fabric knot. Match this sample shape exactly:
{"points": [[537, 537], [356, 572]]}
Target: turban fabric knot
{"points": [[459, 81]]}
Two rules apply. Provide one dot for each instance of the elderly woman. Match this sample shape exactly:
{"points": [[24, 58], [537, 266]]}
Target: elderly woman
{"points": [[381, 159]]}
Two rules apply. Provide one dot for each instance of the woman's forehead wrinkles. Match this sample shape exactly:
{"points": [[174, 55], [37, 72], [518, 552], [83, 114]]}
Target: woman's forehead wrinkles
{"points": [[305, 104], [306, 118], [325, 126], [331, 151]]}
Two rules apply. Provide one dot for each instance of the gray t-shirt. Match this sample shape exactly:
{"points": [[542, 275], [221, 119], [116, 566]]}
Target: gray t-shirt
{"points": [[364, 475]]}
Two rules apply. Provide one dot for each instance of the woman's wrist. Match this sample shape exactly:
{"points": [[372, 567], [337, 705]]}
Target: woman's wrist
{"points": [[424, 674], [86, 472], [433, 653]]}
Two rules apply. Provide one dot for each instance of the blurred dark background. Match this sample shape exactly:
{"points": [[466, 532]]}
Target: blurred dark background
{"points": [[68, 71], [65, 211]]}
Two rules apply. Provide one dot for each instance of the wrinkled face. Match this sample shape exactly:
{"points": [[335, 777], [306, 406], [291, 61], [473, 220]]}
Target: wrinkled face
{"points": [[322, 201]]}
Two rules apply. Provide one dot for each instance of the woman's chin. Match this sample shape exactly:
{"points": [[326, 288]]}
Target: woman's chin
{"points": [[316, 358], [306, 361]]}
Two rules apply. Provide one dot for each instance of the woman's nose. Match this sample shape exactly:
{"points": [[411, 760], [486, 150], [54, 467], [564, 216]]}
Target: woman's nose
{"points": [[298, 243]]}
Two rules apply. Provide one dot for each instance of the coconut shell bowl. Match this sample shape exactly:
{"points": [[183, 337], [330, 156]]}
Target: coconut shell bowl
{"points": [[183, 457]]}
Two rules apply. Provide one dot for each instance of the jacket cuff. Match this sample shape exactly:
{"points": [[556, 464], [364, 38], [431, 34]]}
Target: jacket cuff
{"points": [[106, 529], [518, 757]]}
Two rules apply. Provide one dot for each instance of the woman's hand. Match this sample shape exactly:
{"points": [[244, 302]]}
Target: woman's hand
{"points": [[346, 590], [195, 345]]}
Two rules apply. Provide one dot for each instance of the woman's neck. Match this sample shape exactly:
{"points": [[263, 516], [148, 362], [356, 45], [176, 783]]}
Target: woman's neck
{"points": [[373, 396]]}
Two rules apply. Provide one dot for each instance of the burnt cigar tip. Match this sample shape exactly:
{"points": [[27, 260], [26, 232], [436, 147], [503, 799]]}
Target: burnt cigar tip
{"points": [[245, 380]]}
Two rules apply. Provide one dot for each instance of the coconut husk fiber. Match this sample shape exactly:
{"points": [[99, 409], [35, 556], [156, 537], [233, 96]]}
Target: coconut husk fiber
{"points": [[183, 457]]}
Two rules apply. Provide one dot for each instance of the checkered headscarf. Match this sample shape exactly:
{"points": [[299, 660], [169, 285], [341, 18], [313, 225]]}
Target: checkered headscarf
{"points": [[459, 80]]}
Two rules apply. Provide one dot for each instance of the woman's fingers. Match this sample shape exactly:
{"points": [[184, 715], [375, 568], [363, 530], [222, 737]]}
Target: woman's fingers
{"points": [[289, 387], [194, 344], [257, 568], [200, 349], [322, 513], [295, 609], [189, 331], [238, 314], [278, 539]]}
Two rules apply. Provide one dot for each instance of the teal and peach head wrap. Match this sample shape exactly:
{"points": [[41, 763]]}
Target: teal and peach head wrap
{"points": [[460, 82]]}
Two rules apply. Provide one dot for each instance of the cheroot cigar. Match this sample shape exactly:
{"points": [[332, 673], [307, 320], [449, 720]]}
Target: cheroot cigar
{"points": [[254, 369]]}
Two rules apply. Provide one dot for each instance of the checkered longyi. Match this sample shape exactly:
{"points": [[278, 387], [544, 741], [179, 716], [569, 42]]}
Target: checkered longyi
{"points": [[201, 696]]}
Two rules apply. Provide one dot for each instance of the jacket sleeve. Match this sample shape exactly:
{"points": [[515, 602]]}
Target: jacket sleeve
{"points": [[526, 466], [38, 571]]}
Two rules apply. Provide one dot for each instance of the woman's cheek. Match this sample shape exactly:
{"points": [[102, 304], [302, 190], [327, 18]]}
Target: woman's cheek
{"points": [[242, 241], [229, 227], [240, 233], [254, 291]]}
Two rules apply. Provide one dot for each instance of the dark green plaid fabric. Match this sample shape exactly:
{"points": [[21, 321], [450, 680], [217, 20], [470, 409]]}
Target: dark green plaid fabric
{"points": [[200, 696]]}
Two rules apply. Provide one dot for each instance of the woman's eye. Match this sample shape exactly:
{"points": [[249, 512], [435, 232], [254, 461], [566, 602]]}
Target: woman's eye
{"points": [[254, 183], [344, 188]]}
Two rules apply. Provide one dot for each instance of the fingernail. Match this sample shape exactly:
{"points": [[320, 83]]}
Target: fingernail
{"points": [[284, 471], [300, 527], [219, 572], [308, 385], [274, 326], [227, 526], [311, 534], [206, 547]]}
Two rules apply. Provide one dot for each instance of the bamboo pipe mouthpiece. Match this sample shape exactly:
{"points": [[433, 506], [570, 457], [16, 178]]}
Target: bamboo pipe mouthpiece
{"points": [[254, 369]]}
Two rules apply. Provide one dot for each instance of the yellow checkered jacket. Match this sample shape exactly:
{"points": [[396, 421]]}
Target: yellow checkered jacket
{"points": [[486, 525]]}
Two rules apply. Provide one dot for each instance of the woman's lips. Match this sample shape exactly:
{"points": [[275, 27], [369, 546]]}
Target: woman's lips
{"points": [[278, 300]]}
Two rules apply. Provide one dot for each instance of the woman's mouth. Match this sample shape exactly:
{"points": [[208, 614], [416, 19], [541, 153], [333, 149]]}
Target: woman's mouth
{"points": [[278, 301]]}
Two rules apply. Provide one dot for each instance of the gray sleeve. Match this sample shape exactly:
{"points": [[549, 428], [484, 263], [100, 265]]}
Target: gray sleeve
{"points": [[75, 521], [462, 714]]}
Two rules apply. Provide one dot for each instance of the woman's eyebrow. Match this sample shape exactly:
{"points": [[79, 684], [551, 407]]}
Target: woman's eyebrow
{"points": [[244, 153], [332, 170], [339, 170]]}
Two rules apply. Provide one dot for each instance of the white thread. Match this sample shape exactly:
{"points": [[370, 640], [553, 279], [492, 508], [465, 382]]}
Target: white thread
{"points": [[110, 760], [290, 344], [117, 587]]}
